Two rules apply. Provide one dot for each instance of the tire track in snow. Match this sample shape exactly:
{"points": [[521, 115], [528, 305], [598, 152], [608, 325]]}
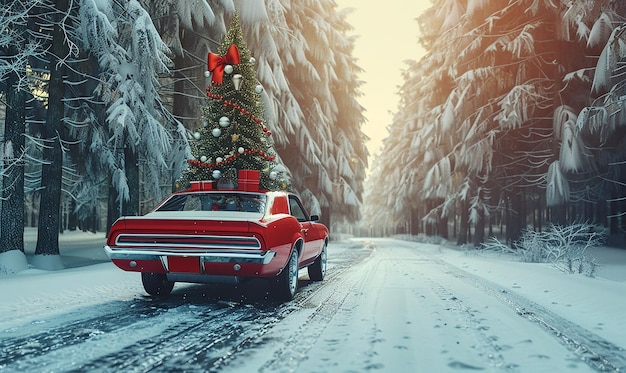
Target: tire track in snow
{"points": [[154, 336], [487, 346], [598, 353], [328, 299], [45, 339], [325, 298], [187, 330], [190, 342], [454, 313]]}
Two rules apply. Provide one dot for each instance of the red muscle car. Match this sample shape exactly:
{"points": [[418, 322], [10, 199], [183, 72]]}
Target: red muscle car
{"points": [[203, 235]]}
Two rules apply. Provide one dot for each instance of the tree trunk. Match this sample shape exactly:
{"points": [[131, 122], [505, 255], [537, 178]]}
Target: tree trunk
{"points": [[442, 227], [613, 215], [182, 103], [479, 228], [72, 220], [559, 214], [515, 217], [455, 220], [325, 216], [463, 224], [415, 221], [113, 204], [50, 200], [602, 212], [539, 209], [131, 165], [52, 169], [621, 209], [12, 225]]}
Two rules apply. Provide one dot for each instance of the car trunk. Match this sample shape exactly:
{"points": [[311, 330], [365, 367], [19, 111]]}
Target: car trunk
{"points": [[143, 231]]}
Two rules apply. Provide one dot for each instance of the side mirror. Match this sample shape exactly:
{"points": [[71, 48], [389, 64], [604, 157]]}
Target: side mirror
{"points": [[314, 218]]}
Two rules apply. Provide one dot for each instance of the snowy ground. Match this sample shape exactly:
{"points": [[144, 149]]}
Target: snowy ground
{"points": [[387, 306]]}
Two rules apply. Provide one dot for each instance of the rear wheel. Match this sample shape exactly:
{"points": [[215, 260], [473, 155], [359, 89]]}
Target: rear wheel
{"points": [[317, 270], [284, 286], [156, 284]]}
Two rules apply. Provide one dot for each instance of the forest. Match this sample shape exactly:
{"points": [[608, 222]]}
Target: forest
{"points": [[100, 98], [513, 120]]}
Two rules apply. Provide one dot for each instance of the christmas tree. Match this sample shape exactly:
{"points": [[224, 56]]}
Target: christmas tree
{"points": [[233, 135]]}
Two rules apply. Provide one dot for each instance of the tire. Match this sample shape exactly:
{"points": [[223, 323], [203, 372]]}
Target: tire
{"points": [[317, 270], [156, 284], [284, 286]]}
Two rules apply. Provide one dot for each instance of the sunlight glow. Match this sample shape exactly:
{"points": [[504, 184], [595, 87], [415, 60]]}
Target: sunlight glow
{"points": [[386, 39]]}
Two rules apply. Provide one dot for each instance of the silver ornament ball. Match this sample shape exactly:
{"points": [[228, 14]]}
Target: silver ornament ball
{"points": [[224, 122]]}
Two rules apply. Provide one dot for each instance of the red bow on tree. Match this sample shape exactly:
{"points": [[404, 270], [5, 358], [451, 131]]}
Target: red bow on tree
{"points": [[217, 63]]}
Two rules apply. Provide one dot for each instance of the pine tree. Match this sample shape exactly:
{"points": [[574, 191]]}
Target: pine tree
{"points": [[233, 135]]}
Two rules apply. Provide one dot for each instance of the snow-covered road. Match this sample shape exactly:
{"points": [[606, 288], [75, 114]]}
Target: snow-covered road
{"points": [[386, 306], [403, 309]]}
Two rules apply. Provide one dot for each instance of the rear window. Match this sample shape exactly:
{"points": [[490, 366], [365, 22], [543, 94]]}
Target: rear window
{"points": [[240, 202]]}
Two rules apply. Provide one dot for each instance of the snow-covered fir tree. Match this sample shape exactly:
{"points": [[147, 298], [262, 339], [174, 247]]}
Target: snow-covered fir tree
{"points": [[305, 62], [234, 135], [189, 29], [499, 121], [139, 137], [14, 55]]}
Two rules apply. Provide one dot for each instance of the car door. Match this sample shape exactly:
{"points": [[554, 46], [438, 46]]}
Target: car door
{"points": [[310, 241]]}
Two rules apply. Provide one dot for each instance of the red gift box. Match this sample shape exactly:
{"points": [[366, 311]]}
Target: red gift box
{"points": [[201, 185], [249, 185], [248, 180], [249, 174]]}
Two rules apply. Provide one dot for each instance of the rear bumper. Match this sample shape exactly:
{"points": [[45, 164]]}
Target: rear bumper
{"points": [[205, 256], [196, 265]]}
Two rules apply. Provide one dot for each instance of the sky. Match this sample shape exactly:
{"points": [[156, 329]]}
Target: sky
{"points": [[386, 39]]}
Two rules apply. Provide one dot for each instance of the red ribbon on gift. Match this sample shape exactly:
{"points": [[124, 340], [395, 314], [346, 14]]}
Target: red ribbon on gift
{"points": [[217, 63]]}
